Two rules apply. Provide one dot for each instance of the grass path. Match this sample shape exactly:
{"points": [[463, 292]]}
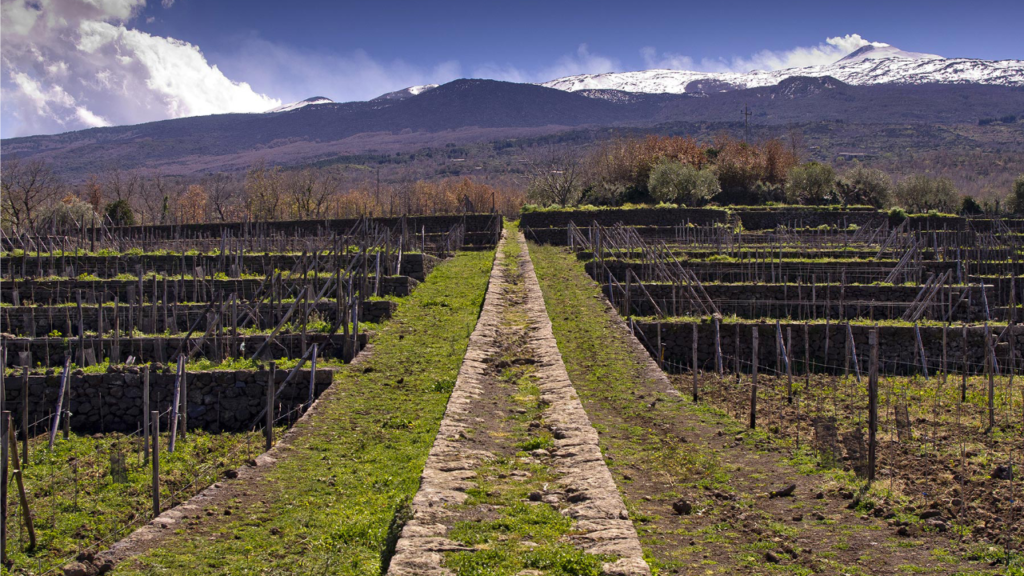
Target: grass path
{"points": [[333, 503]]}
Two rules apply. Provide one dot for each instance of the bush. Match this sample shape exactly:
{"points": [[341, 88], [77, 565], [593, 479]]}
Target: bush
{"points": [[673, 181], [866, 186], [69, 213], [120, 213], [921, 193], [811, 184], [970, 206]]}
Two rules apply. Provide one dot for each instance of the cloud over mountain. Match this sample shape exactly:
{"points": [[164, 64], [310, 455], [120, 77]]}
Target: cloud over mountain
{"points": [[826, 52]]}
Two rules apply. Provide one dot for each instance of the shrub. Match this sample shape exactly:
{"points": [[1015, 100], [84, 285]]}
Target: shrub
{"points": [[120, 213], [921, 193], [866, 186], [812, 183], [970, 206], [673, 181]]}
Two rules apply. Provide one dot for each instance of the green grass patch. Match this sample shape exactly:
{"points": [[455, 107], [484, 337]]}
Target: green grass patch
{"points": [[335, 504]]}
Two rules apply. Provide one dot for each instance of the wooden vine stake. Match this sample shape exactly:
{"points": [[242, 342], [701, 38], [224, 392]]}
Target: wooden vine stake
{"points": [[5, 423], [175, 403], [154, 419], [268, 429], [753, 383], [872, 403], [145, 412], [22, 496], [60, 401], [693, 366]]}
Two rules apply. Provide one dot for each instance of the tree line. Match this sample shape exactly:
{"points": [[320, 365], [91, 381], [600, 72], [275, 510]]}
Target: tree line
{"points": [[726, 171], [35, 197]]}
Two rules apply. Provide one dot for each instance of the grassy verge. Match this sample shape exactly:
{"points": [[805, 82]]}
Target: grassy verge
{"points": [[81, 498], [334, 504]]}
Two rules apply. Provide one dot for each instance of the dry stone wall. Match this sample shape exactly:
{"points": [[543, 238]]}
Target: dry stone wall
{"points": [[218, 401]]}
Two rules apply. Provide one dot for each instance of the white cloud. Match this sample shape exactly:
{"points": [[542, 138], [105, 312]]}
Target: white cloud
{"points": [[580, 62], [71, 64], [292, 74], [825, 53]]}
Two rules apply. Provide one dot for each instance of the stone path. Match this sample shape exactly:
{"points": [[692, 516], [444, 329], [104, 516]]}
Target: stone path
{"points": [[582, 488]]}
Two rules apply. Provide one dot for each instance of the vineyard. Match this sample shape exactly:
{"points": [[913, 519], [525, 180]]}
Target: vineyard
{"points": [[890, 351], [142, 365], [616, 391]]}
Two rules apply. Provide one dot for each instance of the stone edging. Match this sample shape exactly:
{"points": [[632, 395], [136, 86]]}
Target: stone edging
{"points": [[597, 507]]}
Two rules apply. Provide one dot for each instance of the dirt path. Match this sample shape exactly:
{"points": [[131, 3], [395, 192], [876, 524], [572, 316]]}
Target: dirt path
{"points": [[698, 486], [515, 479]]}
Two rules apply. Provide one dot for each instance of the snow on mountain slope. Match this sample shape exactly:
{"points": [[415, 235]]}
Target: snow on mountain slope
{"points": [[867, 65], [877, 52], [301, 104], [404, 93]]}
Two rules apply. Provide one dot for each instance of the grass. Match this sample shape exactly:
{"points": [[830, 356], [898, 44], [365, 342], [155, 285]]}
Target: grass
{"points": [[336, 503], [78, 502], [605, 374]]}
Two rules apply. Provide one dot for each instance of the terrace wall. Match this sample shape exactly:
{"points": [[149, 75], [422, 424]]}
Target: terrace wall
{"points": [[627, 217], [32, 321], [59, 291], [769, 300], [480, 228], [896, 346], [218, 401], [51, 351], [414, 265]]}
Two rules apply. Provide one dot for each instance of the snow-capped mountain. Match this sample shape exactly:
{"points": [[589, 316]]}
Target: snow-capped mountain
{"points": [[867, 65], [300, 104], [404, 93]]}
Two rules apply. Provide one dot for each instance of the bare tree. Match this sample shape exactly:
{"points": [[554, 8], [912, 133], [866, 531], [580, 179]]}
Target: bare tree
{"points": [[558, 177], [122, 185], [224, 194], [311, 191], [28, 187], [263, 191]]}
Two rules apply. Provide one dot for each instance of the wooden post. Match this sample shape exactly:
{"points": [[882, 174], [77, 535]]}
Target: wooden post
{"points": [[184, 402], [963, 383], [753, 383], [66, 426], [175, 403], [990, 358], [718, 348], [736, 348], [693, 366], [145, 411], [789, 364], [807, 358], [269, 426], [312, 378], [24, 415], [5, 423], [22, 497], [60, 401], [872, 403], [154, 420]]}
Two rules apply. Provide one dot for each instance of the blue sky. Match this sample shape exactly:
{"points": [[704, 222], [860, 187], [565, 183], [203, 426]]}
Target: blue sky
{"points": [[69, 64]]}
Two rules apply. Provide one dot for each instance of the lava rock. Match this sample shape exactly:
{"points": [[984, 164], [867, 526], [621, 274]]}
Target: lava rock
{"points": [[682, 507]]}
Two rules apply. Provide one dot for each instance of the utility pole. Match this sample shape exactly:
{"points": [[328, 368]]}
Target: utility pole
{"points": [[746, 124]]}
